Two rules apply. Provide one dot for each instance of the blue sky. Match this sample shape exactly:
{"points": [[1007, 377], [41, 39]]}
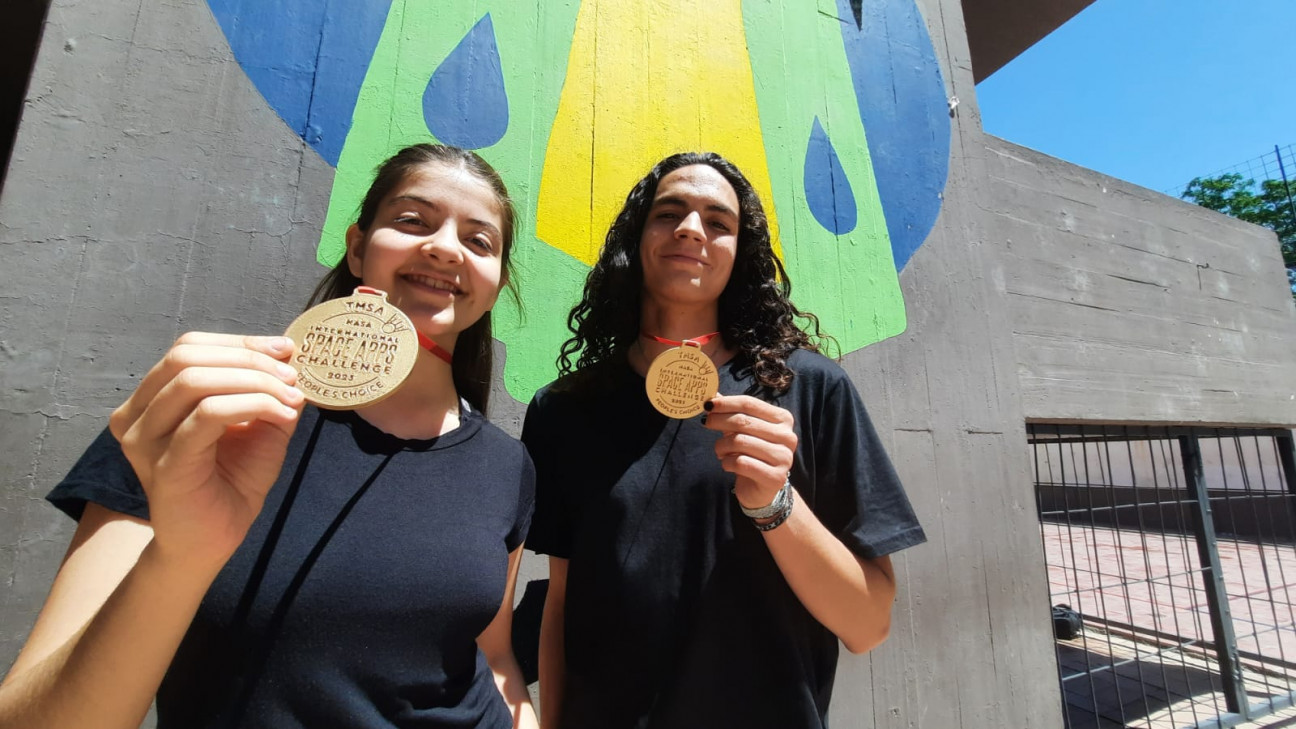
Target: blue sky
{"points": [[1154, 92]]}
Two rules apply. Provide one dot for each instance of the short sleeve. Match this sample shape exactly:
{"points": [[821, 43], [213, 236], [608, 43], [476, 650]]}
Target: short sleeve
{"points": [[861, 499], [551, 531], [525, 506], [102, 475]]}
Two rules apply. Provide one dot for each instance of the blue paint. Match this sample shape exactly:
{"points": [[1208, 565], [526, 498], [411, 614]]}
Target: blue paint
{"points": [[307, 58], [828, 192], [902, 102], [465, 103]]}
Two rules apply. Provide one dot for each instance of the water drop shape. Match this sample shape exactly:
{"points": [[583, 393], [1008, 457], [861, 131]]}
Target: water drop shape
{"points": [[465, 103], [307, 58], [902, 102], [828, 192]]}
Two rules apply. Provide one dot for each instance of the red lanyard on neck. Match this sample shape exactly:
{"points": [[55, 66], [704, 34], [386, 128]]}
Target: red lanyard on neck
{"points": [[695, 341], [426, 343]]}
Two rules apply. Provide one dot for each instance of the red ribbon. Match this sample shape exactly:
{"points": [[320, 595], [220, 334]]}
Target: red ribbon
{"points": [[426, 343], [695, 341]]}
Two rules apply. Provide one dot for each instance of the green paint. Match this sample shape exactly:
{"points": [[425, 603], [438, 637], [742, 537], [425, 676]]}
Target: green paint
{"points": [[534, 46], [799, 62], [848, 281]]}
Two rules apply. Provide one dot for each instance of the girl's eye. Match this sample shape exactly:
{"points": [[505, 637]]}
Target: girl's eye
{"points": [[720, 227], [481, 242], [408, 220]]}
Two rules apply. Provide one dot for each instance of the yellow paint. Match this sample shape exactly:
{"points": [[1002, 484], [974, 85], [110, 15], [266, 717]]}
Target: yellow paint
{"points": [[646, 80]]}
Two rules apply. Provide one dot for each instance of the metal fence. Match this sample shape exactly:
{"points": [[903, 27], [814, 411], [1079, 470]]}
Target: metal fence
{"points": [[1173, 551], [1275, 165]]}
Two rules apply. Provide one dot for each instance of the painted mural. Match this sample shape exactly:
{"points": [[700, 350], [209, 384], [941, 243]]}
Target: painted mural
{"points": [[835, 109]]}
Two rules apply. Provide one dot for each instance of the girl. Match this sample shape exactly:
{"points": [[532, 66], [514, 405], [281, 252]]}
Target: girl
{"points": [[255, 561]]}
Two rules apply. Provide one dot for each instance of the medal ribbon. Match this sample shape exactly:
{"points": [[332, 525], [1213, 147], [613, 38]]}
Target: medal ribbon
{"points": [[424, 341], [695, 341]]}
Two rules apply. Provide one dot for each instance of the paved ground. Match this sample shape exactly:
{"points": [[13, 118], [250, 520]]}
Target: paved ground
{"points": [[1145, 665]]}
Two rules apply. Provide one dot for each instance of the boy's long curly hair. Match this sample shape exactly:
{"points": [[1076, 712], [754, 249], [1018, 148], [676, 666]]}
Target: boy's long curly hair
{"points": [[756, 315]]}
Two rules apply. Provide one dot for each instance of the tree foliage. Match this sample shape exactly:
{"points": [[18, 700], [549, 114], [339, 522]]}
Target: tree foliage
{"points": [[1268, 205]]}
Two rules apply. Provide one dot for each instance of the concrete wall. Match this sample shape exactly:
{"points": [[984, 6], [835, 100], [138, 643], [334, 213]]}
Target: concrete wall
{"points": [[151, 191], [1127, 305], [170, 175]]}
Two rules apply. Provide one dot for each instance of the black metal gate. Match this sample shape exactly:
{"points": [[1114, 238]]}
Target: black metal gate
{"points": [[1173, 552]]}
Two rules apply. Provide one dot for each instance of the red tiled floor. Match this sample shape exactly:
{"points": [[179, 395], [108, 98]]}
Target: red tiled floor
{"points": [[1141, 594]]}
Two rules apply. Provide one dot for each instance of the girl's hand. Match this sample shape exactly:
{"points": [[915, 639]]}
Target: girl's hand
{"points": [[206, 432], [757, 446]]}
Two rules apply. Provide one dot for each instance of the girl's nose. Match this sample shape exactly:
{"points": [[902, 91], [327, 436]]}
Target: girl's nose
{"points": [[444, 244]]}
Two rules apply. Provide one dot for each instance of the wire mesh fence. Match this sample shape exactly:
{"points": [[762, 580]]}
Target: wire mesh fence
{"points": [[1171, 556], [1268, 166]]}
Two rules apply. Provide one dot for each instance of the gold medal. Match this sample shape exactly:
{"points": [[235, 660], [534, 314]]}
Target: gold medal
{"points": [[681, 380], [352, 351]]}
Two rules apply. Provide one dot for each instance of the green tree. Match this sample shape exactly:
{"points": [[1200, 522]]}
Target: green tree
{"points": [[1270, 204]]}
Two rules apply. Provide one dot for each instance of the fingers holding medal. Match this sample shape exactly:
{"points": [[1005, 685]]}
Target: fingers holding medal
{"points": [[235, 353], [205, 432], [758, 445]]}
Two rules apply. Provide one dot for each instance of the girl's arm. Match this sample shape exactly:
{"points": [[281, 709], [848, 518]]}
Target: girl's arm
{"points": [[206, 431], [110, 627], [496, 643]]}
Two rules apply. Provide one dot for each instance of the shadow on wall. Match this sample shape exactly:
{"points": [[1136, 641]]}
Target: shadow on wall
{"points": [[22, 21]]}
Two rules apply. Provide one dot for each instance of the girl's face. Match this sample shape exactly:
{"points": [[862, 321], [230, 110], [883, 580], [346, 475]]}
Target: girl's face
{"points": [[436, 246]]}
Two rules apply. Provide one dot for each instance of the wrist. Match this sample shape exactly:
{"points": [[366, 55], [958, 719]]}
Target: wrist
{"points": [[773, 514], [769, 506], [175, 567], [777, 520]]}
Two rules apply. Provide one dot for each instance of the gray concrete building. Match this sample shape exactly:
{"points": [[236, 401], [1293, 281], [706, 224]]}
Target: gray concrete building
{"points": [[153, 189]]}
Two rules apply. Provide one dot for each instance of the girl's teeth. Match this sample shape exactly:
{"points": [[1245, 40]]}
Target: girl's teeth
{"points": [[436, 284]]}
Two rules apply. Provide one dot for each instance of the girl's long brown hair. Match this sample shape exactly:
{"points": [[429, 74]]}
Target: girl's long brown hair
{"points": [[474, 355]]}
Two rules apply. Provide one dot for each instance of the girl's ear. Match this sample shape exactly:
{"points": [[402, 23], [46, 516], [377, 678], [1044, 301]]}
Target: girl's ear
{"points": [[355, 240]]}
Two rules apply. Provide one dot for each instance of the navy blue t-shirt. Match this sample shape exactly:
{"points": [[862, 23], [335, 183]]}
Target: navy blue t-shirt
{"points": [[677, 616], [358, 595]]}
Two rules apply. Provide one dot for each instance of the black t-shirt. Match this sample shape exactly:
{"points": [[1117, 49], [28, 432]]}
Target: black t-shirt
{"points": [[357, 596], [676, 614]]}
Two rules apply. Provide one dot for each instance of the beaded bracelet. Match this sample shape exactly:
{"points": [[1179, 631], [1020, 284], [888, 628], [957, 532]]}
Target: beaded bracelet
{"points": [[775, 507], [782, 517]]}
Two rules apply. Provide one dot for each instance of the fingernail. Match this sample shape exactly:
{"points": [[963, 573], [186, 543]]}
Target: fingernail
{"points": [[707, 406], [704, 418], [284, 371], [280, 344]]}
